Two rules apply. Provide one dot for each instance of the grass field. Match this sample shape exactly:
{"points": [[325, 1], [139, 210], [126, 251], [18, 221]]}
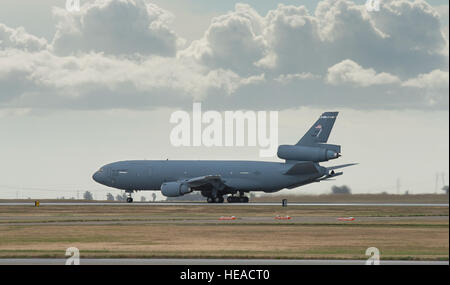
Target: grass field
{"points": [[420, 233]]}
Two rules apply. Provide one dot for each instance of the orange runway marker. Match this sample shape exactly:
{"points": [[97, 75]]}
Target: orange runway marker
{"points": [[346, 219], [227, 218], [282, 218]]}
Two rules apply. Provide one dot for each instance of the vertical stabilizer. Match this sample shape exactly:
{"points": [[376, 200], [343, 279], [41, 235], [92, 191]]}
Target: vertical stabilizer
{"points": [[320, 131]]}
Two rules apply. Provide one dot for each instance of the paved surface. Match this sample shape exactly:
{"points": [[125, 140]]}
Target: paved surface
{"points": [[129, 261], [230, 204], [9, 221]]}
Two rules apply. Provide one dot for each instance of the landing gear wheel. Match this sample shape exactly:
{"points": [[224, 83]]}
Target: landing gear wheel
{"points": [[129, 200], [243, 199], [234, 199], [218, 199]]}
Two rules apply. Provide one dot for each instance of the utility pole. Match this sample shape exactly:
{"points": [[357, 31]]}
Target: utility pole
{"points": [[398, 186], [436, 184]]}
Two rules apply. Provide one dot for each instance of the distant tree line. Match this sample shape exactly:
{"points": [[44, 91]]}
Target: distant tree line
{"points": [[88, 196], [344, 189], [123, 197], [109, 197]]}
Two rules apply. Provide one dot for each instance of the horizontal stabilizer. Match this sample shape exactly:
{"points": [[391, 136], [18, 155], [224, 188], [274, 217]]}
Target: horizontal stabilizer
{"points": [[341, 166]]}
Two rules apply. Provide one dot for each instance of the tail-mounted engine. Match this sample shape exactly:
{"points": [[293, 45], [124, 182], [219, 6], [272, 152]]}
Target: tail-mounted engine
{"points": [[314, 153]]}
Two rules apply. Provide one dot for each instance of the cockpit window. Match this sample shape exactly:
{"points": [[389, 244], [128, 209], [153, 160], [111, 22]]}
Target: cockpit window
{"points": [[116, 172], [100, 170]]}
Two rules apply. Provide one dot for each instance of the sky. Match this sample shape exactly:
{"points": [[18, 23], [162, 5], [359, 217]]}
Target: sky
{"points": [[82, 89]]}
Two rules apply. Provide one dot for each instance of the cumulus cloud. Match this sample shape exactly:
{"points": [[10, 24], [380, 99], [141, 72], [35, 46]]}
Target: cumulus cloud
{"points": [[294, 43], [121, 54], [433, 85], [349, 72], [403, 37], [18, 38], [286, 78], [435, 79], [115, 27], [44, 79], [232, 41]]}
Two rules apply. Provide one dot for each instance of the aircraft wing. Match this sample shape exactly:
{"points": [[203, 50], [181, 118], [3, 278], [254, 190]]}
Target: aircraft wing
{"points": [[202, 180]]}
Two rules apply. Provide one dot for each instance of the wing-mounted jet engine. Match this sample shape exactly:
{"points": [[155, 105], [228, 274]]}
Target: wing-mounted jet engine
{"points": [[175, 189]]}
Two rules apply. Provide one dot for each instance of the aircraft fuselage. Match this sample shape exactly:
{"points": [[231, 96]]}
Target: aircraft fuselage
{"points": [[236, 175]]}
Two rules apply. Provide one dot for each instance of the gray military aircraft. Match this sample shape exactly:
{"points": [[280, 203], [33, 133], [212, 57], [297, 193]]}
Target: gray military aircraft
{"points": [[216, 178]]}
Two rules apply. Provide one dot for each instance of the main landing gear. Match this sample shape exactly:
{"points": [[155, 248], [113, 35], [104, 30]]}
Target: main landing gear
{"points": [[129, 198], [235, 199], [217, 199], [238, 199], [230, 199]]}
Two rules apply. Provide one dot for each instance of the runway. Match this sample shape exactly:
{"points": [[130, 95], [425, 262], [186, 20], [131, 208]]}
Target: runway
{"points": [[142, 220], [134, 261], [137, 204]]}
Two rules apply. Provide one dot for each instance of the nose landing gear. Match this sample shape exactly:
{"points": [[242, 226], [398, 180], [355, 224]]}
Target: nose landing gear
{"points": [[129, 197]]}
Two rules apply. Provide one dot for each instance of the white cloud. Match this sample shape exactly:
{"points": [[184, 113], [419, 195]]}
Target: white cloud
{"points": [[286, 78], [18, 38], [233, 41], [293, 38], [121, 54], [404, 38], [436, 79], [349, 72], [411, 25], [46, 80], [443, 12], [116, 27], [433, 85]]}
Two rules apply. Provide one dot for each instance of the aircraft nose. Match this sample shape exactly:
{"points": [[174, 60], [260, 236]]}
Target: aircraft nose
{"points": [[96, 177]]}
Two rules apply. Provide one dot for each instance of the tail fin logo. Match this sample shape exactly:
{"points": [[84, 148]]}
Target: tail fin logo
{"points": [[317, 130]]}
